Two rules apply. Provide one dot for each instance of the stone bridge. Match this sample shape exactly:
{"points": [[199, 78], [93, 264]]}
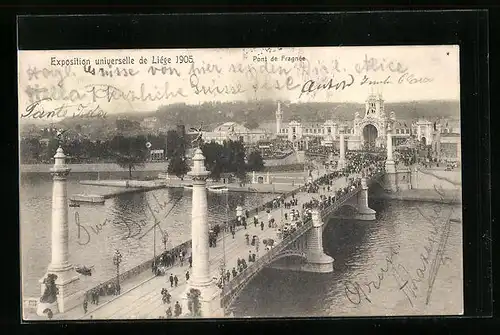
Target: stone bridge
{"points": [[307, 241]]}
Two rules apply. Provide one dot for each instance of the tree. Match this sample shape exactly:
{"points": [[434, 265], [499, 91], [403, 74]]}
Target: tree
{"points": [[30, 150], [194, 304], [227, 158], [237, 165], [129, 152], [214, 159], [251, 124], [176, 145], [178, 166], [255, 161], [176, 153]]}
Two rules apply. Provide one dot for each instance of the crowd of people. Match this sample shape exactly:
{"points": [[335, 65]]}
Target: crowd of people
{"points": [[293, 217], [321, 150], [102, 290]]}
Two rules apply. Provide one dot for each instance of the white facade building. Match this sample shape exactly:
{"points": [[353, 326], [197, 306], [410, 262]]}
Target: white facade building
{"points": [[367, 130], [235, 132]]}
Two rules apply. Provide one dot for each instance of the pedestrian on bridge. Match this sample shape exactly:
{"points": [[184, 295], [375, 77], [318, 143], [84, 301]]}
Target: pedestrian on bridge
{"points": [[177, 309], [85, 306], [262, 225], [176, 280], [247, 238], [171, 280], [187, 275]]}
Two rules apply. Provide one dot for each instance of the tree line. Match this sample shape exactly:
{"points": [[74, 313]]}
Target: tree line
{"points": [[130, 152]]}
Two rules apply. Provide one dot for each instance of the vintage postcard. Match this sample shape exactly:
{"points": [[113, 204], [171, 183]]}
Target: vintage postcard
{"points": [[261, 182]]}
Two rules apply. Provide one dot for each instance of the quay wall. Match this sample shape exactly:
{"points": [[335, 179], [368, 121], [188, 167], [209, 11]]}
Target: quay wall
{"points": [[423, 195], [425, 179]]}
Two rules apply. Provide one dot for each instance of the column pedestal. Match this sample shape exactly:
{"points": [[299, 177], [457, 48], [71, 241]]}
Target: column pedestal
{"points": [[317, 260], [210, 301], [70, 294], [364, 213], [390, 176]]}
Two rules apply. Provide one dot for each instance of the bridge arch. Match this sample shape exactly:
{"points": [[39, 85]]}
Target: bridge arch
{"points": [[284, 254]]}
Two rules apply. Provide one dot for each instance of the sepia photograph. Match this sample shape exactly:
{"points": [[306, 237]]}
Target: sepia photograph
{"points": [[240, 183]]}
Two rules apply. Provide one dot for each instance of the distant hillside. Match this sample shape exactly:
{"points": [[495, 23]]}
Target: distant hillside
{"points": [[309, 112], [264, 112]]}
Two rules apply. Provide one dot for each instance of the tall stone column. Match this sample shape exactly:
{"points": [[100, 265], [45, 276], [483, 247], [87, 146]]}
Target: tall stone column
{"points": [[341, 163], [365, 213], [67, 280], [60, 254], [201, 278], [390, 166], [317, 260]]}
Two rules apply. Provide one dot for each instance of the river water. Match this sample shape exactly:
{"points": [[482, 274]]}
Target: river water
{"points": [[407, 262], [104, 228], [373, 260]]}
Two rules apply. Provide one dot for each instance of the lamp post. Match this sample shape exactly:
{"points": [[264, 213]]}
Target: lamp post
{"points": [[165, 240], [117, 259]]}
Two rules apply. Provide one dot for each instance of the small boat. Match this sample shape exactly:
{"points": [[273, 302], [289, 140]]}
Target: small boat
{"points": [[83, 270], [218, 189], [74, 204], [90, 198]]}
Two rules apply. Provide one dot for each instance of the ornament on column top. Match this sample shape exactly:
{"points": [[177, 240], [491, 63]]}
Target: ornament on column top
{"points": [[198, 140], [389, 127], [198, 171], [316, 218], [364, 185], [60, 170]]}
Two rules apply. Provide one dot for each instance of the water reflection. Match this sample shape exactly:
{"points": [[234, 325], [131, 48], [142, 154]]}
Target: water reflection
{"points": [[360, 250], [125, 222]]}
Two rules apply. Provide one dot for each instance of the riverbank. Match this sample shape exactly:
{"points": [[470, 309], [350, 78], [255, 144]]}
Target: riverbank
{"points": [[132, 186], [93, 167], [444, 197]]}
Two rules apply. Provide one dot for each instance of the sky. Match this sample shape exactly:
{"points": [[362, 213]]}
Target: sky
{"points": [[60, 81]]}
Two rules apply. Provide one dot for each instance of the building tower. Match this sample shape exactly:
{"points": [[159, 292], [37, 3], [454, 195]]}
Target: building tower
{"points": [[374, 105], [200, 272], [279, 118]]}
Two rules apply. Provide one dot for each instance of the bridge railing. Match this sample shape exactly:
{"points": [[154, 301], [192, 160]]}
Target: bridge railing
{"points": [[231, 288], [234, 285]]}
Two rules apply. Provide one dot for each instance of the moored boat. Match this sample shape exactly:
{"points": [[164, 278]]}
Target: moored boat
{"points": [[82, 269], [218, 189]]}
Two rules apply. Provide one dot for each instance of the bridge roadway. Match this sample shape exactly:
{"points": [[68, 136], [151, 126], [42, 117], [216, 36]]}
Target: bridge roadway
{"points": [[145, 300]]}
